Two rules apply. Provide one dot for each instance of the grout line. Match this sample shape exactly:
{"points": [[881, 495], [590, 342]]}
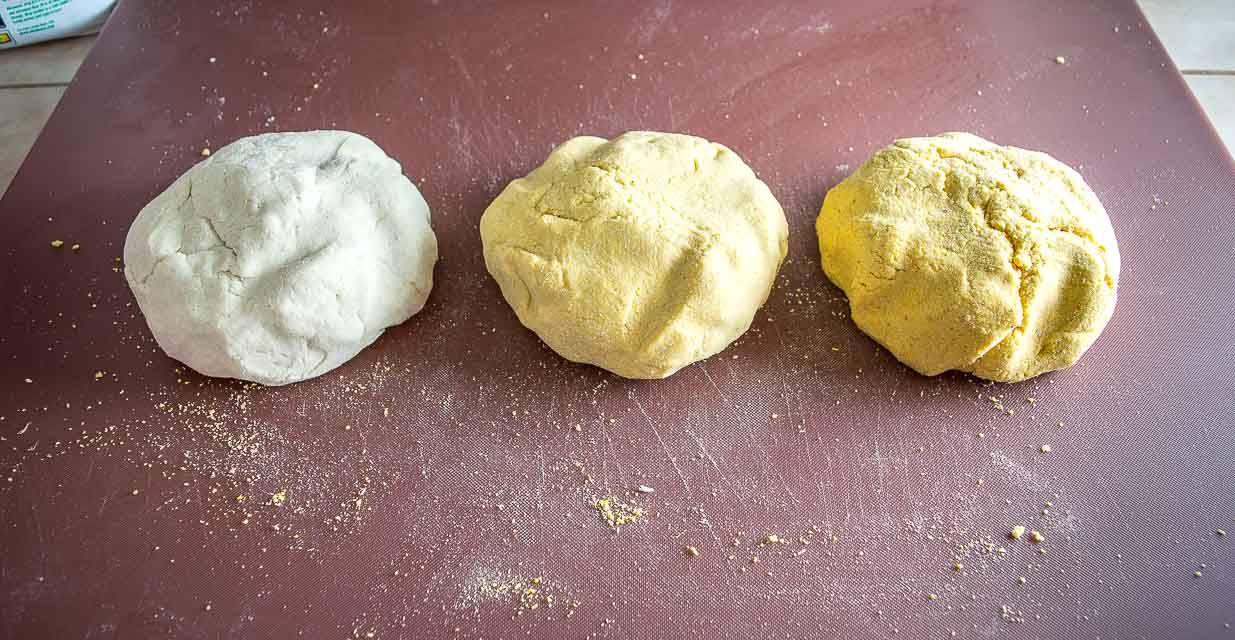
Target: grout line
{"points": [[33, 85], [1208, 72]]}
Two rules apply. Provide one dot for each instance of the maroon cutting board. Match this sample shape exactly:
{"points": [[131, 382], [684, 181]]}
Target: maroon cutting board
{"points": [[437, 485]]}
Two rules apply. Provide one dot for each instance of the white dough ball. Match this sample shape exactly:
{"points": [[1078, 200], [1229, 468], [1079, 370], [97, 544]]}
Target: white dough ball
{"points": [[281, 256]]}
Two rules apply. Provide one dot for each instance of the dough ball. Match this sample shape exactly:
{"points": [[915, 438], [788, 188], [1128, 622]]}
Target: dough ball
{"points": [[640, 254], [281, 256], [957, 253]]}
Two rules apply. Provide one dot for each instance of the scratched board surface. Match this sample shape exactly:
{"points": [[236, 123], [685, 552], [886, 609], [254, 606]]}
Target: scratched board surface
{"points": [[455, 478]]}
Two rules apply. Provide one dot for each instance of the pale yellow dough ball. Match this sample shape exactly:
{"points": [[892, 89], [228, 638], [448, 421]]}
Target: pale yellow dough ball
{"points": [[640, 254], [957, 253]]}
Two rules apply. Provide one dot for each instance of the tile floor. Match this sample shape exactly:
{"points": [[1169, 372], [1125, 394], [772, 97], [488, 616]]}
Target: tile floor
{"points": [[1199, 35], [32, 79]]}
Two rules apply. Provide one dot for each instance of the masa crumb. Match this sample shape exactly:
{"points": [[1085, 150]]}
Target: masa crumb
{"points": [[1008, 614], [278, 498], [1036, 537], [528, 595], [1061, 60], [692, 551], [1016, 532], [616, 513], [56, 244]]}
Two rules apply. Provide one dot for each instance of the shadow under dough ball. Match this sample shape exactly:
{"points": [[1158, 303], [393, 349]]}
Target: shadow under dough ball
{"points": [[960, 254], [640, 254]]}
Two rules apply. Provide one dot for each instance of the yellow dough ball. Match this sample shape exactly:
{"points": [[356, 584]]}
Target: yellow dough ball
{"points": [[957, 253], [640, 254]]}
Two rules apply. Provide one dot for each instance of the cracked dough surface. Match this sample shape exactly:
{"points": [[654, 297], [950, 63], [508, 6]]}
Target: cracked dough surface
{"points": [[957, 253], [640, 254], [281, 256]]}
